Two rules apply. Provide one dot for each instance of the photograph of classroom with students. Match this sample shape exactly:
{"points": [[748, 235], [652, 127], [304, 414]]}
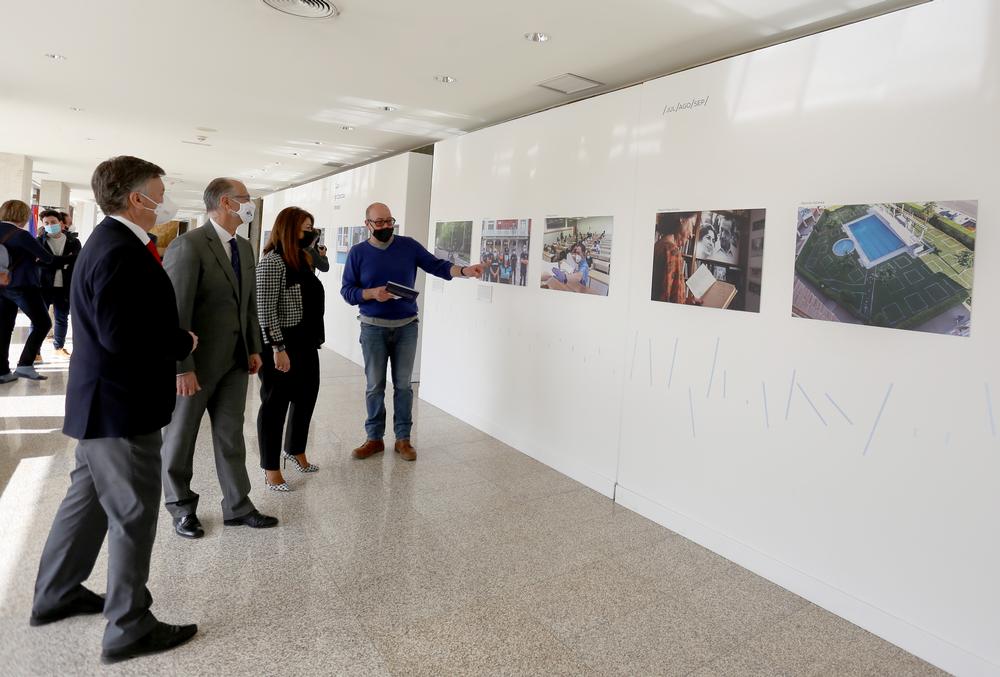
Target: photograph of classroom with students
{"points": [[347, 237], [504, 251], [903, 265], [453, 241], [709, 258], [576, 254]]}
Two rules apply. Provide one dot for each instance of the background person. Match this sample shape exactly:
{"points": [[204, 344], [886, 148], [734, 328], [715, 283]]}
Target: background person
{"points": [[388, 323], [669, 283], [291, 304], [212, 271], [120, 393], [22, 292], [55, 277]]}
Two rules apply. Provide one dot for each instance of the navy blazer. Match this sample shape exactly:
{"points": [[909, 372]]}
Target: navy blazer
{"points": [[126, 339], [24, 253]]}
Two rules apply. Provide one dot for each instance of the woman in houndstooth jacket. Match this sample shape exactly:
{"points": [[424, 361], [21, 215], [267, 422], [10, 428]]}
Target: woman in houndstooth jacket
{"points": [[290, 305]]}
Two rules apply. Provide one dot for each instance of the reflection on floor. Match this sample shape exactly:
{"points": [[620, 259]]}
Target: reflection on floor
{"points": [[474, 560]]}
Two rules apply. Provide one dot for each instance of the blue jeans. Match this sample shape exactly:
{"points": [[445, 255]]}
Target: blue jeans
{"points": [[381, 345], [58, 297]]}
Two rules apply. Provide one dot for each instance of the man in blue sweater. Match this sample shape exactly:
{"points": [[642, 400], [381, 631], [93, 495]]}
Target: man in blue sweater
{"points": [[388, 322]]}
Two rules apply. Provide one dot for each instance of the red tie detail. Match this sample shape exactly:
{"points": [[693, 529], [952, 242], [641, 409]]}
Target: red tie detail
{"points": [[152, 250]]}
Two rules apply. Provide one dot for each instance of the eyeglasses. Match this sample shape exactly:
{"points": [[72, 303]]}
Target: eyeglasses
{"points": [[382, 223]]}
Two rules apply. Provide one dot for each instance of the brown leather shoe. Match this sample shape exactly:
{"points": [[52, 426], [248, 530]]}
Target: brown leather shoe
{"points": [[406, 450], [369, 448]]}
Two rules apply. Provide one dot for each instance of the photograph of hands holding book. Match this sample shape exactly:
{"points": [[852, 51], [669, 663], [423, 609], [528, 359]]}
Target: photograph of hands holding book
{"points": [[709, 258]]}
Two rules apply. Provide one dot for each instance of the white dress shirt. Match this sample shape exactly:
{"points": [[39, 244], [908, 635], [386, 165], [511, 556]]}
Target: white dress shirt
{"points": [[225, 236], [139, 232]]}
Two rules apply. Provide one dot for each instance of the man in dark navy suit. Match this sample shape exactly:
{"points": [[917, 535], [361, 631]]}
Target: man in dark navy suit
{"points": [[120, 393]]}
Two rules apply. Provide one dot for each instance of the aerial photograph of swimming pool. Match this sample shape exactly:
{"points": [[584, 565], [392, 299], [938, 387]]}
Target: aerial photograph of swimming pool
{"points": [[903, 265]]}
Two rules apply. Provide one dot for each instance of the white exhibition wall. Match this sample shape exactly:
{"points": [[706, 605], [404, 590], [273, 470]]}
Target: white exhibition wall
{"points": [[402, 182], [857, 466]]}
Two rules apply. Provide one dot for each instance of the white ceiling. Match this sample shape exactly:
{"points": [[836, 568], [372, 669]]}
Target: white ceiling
{"points": [[149, 74]]}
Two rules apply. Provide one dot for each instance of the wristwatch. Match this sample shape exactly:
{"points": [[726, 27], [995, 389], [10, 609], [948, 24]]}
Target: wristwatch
{"points": [[278, 347]]}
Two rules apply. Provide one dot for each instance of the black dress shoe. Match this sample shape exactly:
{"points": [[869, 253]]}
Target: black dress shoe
{"points": [[86, 602], [252, 519], [161, 638], [188, 527]]}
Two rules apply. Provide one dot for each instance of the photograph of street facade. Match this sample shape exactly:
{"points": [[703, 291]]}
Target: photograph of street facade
{"points": [[453, 241], [906, 265], [347, 237], [504, 251]]}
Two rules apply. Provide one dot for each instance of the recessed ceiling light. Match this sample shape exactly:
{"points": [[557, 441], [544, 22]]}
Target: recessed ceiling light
{"points": [[317, 143], [295, 154], [75, 109], [306, 9], [446, 79], [347, 128], [536, 37], [56, 57], [388, 109]]}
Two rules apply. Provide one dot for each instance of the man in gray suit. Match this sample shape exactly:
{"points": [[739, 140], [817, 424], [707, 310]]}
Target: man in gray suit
{"points": [[212, 270]]}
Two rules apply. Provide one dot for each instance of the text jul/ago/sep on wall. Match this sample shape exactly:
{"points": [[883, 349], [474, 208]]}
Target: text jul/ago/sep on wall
{"points": [[685, 105]]}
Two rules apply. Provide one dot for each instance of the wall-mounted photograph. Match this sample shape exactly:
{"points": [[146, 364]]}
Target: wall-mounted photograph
{"points": [[576, 254], [453, 241], [902, 265], [711, 258], [504, 251], [347, 237]]}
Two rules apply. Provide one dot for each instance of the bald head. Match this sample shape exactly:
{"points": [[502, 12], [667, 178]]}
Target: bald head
{"points": [[220, 188], [377, 210]]}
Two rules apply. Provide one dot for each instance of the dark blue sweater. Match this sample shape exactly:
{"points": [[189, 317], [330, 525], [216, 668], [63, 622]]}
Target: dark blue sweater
{"points": [[368, 267]]}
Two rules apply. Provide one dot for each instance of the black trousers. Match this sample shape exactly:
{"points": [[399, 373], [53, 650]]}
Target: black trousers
{"points": [[287, 395], [29, 301]]}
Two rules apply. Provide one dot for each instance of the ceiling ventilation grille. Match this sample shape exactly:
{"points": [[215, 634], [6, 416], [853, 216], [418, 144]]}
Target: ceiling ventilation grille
{"points": [[335, 165], [307, 9], [567, 83]]}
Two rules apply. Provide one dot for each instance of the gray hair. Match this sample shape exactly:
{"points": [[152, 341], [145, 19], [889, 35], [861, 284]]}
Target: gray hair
{"points": [[216, 190], [117, 178]]}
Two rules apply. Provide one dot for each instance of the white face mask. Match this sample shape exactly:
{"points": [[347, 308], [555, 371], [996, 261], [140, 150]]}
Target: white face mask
{"points": [[165, 211], [246, 212]]}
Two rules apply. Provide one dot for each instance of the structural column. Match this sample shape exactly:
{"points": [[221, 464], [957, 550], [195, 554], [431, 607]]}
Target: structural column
{"points": [[54, 194], [15, 177]]}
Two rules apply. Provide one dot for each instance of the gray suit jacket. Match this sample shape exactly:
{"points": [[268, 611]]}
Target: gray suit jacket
{"points": [[209, 303]]}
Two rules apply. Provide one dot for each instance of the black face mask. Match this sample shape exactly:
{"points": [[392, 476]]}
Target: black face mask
{"points": [[307, 239], [382, 234]]}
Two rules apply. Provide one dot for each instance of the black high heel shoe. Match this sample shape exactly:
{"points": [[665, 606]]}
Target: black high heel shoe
{"points": [[285, 456]]}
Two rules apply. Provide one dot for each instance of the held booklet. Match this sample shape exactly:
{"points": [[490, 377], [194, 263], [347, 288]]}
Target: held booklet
{"points": [[402, 291], [710, 291]]}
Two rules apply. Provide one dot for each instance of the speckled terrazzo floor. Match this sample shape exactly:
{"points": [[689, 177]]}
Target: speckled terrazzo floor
{"points": [[474, 560]]}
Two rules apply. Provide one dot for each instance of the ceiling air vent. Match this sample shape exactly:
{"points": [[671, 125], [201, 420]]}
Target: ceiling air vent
{"points": [[567, 83], [307, 9], [334, 165]]}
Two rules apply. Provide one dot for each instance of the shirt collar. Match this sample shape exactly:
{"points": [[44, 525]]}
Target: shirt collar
{"points": [[139, 232], [223, 234]]}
